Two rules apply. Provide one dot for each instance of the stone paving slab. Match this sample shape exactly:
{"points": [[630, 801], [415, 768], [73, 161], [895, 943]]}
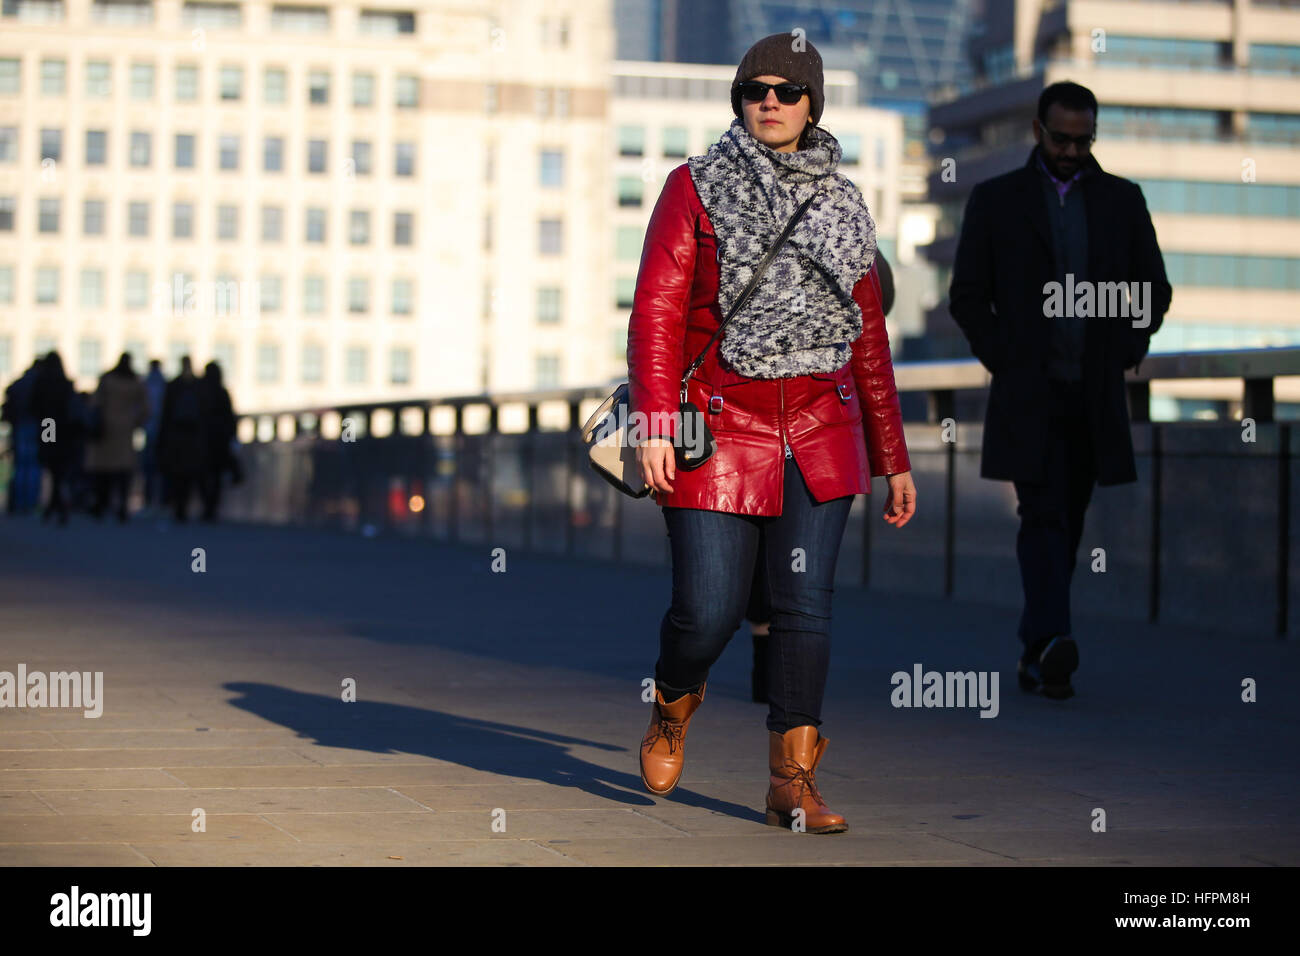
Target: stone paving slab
{"points": [[478, 691]]}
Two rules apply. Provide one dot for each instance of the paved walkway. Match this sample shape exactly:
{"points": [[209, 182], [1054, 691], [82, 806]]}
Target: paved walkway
{"points": [[481, 692]]}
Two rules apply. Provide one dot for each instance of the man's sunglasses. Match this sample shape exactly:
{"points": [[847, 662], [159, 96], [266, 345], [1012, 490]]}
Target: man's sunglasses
{"points": [[787, 93], [1082, 142]]}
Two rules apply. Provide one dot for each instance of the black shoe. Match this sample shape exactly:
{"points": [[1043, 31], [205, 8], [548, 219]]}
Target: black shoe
{"points": [[1046, 668]]}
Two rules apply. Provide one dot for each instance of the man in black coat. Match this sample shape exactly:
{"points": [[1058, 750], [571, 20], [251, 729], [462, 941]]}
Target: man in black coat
{"points": [[1058, 285]]}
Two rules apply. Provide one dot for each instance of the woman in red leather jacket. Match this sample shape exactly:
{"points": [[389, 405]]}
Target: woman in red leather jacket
{"points": [[798, 392]]}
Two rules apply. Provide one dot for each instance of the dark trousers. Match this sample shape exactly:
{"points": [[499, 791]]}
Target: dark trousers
{"points": [[713, 569], [109, 486], [1051, 518]]}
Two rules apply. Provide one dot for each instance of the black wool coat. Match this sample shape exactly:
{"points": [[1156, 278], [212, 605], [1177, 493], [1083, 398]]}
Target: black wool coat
{"points": [[1004, 259]]}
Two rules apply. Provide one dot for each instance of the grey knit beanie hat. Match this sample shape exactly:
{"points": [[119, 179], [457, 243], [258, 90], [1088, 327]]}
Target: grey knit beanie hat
{"points": [[787, 55]]}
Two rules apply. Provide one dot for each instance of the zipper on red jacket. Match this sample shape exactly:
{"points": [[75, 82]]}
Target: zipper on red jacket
{"points": [[781, 420]]}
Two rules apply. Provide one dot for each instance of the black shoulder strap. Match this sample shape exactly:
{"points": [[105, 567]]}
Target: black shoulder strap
{"points": [[749, 288]]}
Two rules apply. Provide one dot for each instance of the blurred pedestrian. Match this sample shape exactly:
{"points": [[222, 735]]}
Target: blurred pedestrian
{"points": [[123, 406], [58, 445], [182, 439], [25, 486], [219, 431], [155, 384]]}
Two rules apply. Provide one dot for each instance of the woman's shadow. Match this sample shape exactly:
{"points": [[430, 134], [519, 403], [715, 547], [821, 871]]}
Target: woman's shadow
{"points": [[506, 749]]}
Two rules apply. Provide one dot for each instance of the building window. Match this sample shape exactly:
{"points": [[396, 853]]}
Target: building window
{"points": [[137, 219], [232, 83], [225, 295], [358, 294], [294, 18], [359, 227], [52, 145], [228, 151], [96, 147], [361, 156], [211, 16], [851, 146], [183, 220], [136, 290], [47, 285], [88, 358], [363, 89], [227, 221], [92, 217], [399, 366], [8, 144], [123, 13], [272, 223], [99, 84], [318, 87], [268, 363], [631, 140], [270, 291], [407, 91], [183, 154], [356, 359], [624, 291], [552, 167], [273, 154], [631, 190], [6, 355], [562, 102], [141, 148], [548, 305], [313, 364], [54, 77], [275, 83], [547, 372], [48, 218], [223, 353], [315, 224], [674, 142], [403, 228], [404, 159], [7, 284], [550, 237], [92, 288], [402, 295], [313, 295], [141, 81], [315, 155], [176, 350], [491, 98], [487, 232], [7, 205], [627, 243], [386, 22], [44, 345]]}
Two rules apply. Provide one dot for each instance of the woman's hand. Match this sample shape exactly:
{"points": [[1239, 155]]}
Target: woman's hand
{"points": [[658, 463], [900, 503]]}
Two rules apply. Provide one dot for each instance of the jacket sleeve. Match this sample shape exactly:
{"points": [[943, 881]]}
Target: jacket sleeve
{"points": [[873, 375], [970, 294], [658, 322], [1149, 266]]}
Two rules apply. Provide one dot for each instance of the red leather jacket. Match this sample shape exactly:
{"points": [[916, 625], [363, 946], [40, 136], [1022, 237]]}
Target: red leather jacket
{"points": [[841, 427]]}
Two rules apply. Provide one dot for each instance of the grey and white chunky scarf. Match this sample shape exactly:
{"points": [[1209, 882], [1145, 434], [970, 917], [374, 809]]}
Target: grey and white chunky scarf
{"points": [[802, 318]]}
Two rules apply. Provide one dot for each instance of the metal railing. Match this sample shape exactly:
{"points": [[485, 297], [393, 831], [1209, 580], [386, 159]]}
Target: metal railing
{"points": [[1204, 538]]}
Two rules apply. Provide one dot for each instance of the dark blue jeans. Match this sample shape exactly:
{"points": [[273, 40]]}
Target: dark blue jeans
{"points": [[713, 567]]}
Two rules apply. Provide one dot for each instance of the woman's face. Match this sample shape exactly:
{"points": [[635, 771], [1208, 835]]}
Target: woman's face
{"points": [[773, 123]]}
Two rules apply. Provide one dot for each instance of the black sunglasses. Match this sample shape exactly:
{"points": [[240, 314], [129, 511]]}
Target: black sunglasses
{"points": [[787, 93], [1082, 142]]}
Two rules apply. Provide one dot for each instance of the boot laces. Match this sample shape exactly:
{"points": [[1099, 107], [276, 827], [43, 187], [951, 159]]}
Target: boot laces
{"points": [[802, 779], [669, 729]]}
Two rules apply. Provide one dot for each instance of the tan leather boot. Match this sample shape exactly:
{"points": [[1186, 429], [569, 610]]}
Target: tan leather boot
{"points": [[791, 758], [663, 747]]}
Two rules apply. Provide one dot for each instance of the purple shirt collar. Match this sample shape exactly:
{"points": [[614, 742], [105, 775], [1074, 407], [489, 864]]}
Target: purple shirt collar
{"points": [[1061, 187]]}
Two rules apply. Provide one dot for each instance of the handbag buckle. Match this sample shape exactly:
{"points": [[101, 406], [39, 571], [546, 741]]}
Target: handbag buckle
{"points": [[845, 392], [715, 404]]}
